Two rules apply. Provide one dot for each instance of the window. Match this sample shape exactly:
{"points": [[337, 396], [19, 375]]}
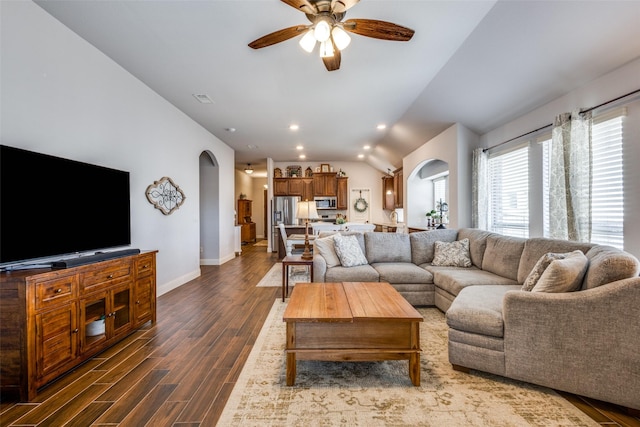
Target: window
{"points": [[509, 192], [440, 189], [607, 207]]}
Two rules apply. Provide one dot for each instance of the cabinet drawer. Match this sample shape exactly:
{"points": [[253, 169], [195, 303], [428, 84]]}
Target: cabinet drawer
{"points": [[144, 265], [93, 279], [56, 291]]}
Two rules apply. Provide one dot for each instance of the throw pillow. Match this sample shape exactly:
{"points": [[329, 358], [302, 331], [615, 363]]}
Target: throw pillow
{"points": [[349, 251], [539, 268], [563, 275], [452, 254], [326, 247]]}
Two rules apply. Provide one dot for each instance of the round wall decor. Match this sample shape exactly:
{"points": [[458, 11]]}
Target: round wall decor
{"points": [[360, 205]]}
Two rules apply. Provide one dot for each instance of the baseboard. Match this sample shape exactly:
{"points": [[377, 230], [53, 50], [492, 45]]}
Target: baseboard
{"points": [[217, 261], [176, 283]]}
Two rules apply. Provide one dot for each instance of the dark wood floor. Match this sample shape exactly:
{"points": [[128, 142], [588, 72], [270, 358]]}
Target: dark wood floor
{"points": [[181, 370]]}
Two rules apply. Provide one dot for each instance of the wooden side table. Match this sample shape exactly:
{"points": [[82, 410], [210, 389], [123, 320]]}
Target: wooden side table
{"points": [[293, 260]]}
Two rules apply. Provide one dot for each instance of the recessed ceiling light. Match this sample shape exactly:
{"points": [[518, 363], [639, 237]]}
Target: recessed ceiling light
{"points": [[299, 147], [302, 156], [294, 127], [203, 98], [381, 126], [367, 147], [361, 156], [230, 129]]}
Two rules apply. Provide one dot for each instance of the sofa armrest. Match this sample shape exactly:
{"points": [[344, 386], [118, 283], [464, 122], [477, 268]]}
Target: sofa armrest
{"points": [[585, 342], [319, 267]]}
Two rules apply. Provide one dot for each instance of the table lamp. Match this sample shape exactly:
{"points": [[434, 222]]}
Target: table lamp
{"points": [[307, 210]]}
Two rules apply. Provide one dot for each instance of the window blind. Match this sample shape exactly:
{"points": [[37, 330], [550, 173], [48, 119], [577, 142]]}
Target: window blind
{"points": [[509, 192], [439, 190], [607, 198]]}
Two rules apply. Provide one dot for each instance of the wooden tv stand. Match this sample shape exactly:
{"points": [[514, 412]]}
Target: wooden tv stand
{"points": [[46, 317]]}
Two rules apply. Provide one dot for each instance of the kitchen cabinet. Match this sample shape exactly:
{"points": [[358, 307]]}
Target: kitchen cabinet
{"points": [[302, 187], [50, 320], [280, 186], [325, 184], [398, 187], [342, 199], [388, 196]]}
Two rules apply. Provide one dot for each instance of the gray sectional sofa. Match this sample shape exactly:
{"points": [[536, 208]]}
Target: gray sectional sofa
{"points": [[585, 342]]}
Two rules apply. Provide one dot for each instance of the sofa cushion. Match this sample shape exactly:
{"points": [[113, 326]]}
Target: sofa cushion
{"points": [[359, 235], [502, 255], [422, 243], [453, 254], [387, 247], [326, 247], [608, 264], [563, 275], [536, 247], [478, 309], [454, 280], [349, 251], [539, 268], [361, 273], [402, 272], [477, 243]]}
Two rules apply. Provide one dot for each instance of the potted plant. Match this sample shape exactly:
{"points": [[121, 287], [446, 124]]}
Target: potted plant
{"points": [[431, 216]]}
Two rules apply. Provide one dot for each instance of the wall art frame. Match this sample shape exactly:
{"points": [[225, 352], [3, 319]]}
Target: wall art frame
{"points": [[165, 195]]}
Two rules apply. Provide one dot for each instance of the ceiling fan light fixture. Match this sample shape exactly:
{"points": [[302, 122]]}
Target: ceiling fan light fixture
{"points": [[326, 49], [340, 37], [308, 41], [322, 31], [248, 169]]}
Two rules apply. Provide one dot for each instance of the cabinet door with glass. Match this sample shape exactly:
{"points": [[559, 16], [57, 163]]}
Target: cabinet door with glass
{"points": [[105, 315]]}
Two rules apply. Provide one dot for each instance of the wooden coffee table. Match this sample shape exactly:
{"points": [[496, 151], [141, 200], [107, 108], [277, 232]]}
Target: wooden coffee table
{"points": [[351, 321]]}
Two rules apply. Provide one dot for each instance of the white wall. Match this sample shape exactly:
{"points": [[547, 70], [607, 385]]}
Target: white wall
{"points": [[61, 96], [610, 86]]}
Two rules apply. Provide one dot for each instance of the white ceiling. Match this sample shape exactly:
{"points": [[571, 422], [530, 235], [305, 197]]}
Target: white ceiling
{"points": [[479, 63]]}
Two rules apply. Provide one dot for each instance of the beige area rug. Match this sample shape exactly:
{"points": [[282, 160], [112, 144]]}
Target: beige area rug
{"points": [[273, 278], [261, 243], [380, 393]]}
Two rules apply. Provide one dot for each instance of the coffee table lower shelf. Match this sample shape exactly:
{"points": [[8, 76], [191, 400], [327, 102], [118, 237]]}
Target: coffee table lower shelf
{"points": [[353, 355]]}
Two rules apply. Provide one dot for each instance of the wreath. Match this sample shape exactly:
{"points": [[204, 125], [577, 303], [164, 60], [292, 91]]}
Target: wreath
{"points": [[360, 205]]}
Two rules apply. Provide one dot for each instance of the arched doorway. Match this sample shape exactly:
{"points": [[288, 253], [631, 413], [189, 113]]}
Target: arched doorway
{"points": [[209, 209], [426, 185]]}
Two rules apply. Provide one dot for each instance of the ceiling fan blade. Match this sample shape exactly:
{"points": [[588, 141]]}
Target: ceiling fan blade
{"points": [[302, 5], [378, 29], [333, 62], [277, 37], [340, 6]]}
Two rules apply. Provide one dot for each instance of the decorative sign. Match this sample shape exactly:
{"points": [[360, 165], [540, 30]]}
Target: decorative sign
{"points": [[165, 195]]}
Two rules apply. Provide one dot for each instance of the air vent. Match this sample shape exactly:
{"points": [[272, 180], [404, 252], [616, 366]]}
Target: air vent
{"points": [[203, 98]]}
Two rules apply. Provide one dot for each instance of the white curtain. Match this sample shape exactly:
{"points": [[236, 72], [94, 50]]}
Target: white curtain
{"points": [[570, 177], [480, 190]]}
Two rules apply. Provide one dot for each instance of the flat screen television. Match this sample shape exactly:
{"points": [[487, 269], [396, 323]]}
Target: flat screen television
{"points": [[54, 207]]}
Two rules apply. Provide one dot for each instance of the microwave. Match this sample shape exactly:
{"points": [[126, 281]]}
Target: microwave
{"points": [[325, 202]]}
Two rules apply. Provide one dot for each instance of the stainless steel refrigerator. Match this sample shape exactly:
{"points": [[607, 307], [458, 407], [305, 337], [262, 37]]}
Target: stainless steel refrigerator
{"points": [[283, 212]]}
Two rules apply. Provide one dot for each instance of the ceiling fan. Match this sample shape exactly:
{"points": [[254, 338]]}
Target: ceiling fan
{"points": [[327, 28]]}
